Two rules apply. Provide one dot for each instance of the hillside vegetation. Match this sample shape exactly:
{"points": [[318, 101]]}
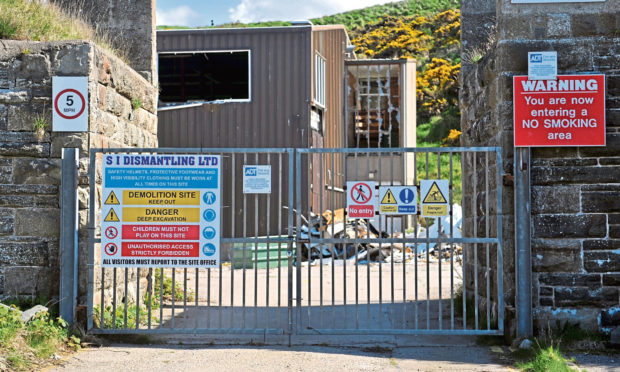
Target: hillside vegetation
{"points": [[429, 32], [44, 21], [434, 42]]}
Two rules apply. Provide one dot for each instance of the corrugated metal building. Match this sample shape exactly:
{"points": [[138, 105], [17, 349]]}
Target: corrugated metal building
{"points": [[274, 87], [294, 97]]}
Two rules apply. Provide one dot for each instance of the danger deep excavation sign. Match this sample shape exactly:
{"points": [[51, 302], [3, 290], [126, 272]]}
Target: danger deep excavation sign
{"points": [[569, 111]]}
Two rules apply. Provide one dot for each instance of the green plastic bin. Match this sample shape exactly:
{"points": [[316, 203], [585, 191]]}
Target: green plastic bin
{"points": [[256, 255]]}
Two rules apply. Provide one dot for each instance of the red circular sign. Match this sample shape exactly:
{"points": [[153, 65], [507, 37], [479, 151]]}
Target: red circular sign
{"points": [[111, 232], [361, 193], [111, 249], [69, 102]]}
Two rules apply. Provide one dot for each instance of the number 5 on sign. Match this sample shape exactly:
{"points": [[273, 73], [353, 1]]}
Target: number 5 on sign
{"points": [[70, 103]]}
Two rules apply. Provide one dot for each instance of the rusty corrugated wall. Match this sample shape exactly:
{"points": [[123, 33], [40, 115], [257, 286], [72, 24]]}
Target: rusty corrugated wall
{"points": [[277, 115], [330, 42]]}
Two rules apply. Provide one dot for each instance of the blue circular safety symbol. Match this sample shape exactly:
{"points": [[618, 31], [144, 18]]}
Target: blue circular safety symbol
{"points": [[208, 249], [406, 196], [209, 215], [209, 197], [208, 232]]}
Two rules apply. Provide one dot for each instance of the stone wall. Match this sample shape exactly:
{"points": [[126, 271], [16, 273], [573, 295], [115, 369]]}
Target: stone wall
{"points": [[30, 166], [129, 26], [575, 191]]}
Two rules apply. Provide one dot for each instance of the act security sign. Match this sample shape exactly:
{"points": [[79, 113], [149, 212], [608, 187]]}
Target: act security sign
{"points": [[569, 111]]}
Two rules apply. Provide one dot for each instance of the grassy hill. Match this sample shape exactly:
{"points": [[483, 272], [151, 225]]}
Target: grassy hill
{"points": [[428, 31]]}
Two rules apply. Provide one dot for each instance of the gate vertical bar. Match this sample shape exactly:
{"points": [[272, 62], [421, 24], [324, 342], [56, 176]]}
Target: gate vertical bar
{"points": [[293, 159], [91, 239], [500, 257], [69, 234], [522, 242]]}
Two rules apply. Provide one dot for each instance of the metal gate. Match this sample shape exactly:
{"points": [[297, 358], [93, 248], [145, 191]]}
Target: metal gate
{"points": [[293, 264], [399, 274]]}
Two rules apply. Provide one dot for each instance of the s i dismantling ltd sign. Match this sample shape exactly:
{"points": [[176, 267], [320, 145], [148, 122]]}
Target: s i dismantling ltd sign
{"points": [[569, 111], [160, 211]]}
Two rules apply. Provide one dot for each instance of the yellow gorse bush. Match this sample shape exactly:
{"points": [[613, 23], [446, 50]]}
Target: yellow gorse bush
{"points": [[433, 41]]}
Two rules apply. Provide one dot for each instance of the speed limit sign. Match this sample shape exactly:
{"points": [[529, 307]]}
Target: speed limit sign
{"points": [[70, 103]]}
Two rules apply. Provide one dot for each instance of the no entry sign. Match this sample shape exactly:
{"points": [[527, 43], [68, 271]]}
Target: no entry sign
{"points": [[569, 111], [361, 199], [70, 103]]}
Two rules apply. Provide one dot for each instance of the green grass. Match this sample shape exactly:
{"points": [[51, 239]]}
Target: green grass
{"points": [[118, 321], [136, 103], [360, 17], [44, 21], [10, 325], [167, 289], [355, 18], [546, 359], [45, 335], [24, 345]]}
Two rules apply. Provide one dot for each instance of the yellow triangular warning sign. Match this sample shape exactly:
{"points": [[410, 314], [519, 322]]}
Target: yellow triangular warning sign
{"points": [[434, 195], [111, 217], [388, 198], [112, 199]]}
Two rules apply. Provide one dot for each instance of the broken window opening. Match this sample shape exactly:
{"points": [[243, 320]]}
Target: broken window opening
{"points": [[373, 102], [204, 77]]}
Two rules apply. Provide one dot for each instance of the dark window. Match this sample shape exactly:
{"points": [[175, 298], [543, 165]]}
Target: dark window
{"points": [[205, 76]]}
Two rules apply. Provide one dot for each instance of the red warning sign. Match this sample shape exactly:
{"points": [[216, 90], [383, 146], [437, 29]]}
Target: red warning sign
{"points": [[361, 201], [163, 232], [163, 249], [111, 249], [569, 111], [111, 232]]}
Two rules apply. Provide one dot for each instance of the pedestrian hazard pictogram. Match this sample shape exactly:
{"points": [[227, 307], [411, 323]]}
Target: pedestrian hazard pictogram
{"points": [[361, 201], [434, 201], [388, 198], [434, 195], [112, 216], [112, 199]]}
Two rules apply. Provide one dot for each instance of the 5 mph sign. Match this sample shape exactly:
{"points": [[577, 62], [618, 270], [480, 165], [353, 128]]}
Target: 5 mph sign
{"points": [[70, 103]]}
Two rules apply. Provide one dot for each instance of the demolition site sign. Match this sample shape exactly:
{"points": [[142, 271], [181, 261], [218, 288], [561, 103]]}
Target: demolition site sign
{"points": [[160, 211]]}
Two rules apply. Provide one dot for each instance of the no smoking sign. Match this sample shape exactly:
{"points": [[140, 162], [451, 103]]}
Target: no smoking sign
{"points": [[70, 98]]}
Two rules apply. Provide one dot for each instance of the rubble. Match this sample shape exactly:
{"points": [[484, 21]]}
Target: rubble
{"points": [[334, 225]]}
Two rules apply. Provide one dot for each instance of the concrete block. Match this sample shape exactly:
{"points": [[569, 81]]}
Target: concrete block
{"points": [[37, 222], [592, 281], [37, 171], [570, 226], [601, 261], [20, 252], [555, 199], [7, 221], [556, 255]]}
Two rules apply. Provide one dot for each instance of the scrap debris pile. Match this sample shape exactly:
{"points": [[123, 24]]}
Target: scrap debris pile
{"points": [[335, 225]]}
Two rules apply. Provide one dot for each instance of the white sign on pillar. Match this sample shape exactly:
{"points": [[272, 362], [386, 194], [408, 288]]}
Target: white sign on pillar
{"points": [[70, 103]]}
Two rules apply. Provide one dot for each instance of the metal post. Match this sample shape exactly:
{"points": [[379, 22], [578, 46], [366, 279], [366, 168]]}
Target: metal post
{"points": [[69, 234], [523, 249]]}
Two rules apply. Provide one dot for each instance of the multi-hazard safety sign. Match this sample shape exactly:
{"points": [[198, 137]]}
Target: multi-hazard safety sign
{"points": [[160, 211], [397, 200], [435, 196], [361, 199]]}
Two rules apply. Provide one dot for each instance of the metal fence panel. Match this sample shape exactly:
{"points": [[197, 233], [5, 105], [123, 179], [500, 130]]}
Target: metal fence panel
{"points": [[294, 264], [249, 292], [400, 274]]}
